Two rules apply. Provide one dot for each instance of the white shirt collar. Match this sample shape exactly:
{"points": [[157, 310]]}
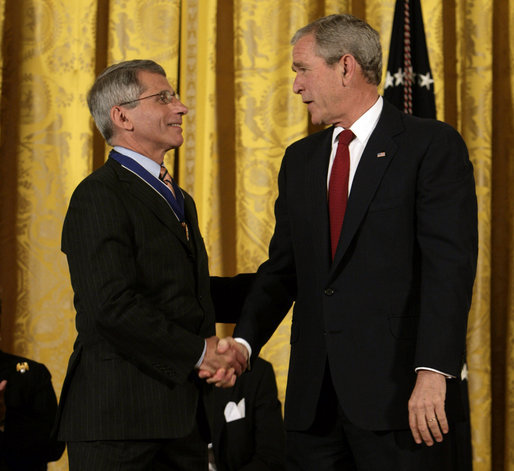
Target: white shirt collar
{"points": [[149, 165], [365, 125]]}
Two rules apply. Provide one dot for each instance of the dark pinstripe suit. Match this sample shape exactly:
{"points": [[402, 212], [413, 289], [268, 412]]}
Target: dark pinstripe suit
{"points": [[143, 310]]}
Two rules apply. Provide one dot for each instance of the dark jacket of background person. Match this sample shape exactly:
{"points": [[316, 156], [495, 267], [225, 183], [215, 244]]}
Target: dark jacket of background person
{"points": [[255, 442], [30, 409]]}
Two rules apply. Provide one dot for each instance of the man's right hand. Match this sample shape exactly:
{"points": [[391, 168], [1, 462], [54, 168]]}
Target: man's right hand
{"points": [[224, 360]]}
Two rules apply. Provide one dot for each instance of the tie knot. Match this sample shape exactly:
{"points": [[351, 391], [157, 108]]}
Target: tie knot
{"points": [[346, 136], [164, 173]]}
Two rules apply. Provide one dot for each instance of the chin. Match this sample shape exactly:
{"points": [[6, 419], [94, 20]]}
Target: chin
{"points": [[177, 143], [316, 121]]}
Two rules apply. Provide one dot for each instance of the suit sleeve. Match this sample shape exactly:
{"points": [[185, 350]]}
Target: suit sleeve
{"points": [[446, 211], [229, 294], [110, 296]]}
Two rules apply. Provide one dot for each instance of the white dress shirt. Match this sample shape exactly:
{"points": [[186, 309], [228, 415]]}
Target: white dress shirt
{"points": [[362, 128]]}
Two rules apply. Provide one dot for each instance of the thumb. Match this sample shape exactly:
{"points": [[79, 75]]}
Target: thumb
{"points": [[223, 346]]}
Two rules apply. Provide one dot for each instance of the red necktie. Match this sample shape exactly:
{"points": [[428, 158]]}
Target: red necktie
{"points": [[338, 187]]}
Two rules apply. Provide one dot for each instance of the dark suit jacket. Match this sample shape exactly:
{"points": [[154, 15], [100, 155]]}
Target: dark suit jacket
{"points": [[143, 310], [257, 441], [31, 406], [396, 296]]}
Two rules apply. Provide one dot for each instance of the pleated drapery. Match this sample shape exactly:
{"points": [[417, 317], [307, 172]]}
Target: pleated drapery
{"points": [[231, 62]]}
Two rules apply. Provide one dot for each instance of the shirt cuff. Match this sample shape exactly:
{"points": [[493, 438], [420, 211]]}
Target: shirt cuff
{"points": [[200, 361], [446, 375], [248, 348]]}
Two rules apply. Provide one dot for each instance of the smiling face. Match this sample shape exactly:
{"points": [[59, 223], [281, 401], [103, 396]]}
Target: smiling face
{"points": [[319, 84], [152, 127]]}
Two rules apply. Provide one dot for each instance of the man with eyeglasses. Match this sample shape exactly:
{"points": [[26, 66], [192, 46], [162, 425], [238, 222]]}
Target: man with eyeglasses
{"points": [[131, 398]]}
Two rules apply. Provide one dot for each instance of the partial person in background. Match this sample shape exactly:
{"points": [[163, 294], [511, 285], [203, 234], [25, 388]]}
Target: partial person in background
{"points": [[248, 431], [28, 408], [247, 427], [131, 397], [375, 243]]}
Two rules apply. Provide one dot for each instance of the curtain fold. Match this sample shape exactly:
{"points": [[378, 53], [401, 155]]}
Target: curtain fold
{"points": [[200, 155], [474, 105], [502, 238], [231, 63], [47, 57]]}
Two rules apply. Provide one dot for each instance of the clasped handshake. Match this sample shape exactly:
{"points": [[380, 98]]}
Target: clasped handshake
{"points": [[223, 362]]}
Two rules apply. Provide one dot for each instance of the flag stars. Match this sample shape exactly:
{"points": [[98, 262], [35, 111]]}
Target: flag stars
{"points": [[399, 77], [408, 76], [389, 80], [425, 80]]}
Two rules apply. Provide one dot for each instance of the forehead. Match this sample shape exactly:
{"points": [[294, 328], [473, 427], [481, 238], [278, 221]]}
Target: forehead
{"points": [[153, 82], [305, 50]]}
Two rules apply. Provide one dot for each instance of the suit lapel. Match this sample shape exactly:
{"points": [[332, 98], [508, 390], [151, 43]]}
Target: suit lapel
{"points": [[375, 159], [151, 199], [316, 184], [192, 223]]}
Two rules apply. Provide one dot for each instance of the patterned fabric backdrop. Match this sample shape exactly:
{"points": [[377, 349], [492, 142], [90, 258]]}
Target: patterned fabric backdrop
{"points": [[231, 62]]}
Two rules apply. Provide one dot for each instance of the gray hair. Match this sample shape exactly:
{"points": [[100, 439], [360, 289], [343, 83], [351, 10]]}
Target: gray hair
{"points": [[117, 84], [337, 35]]}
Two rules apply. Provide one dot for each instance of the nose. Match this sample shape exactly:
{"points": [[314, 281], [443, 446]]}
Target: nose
{"points": [[297, 85], [181, 108]]}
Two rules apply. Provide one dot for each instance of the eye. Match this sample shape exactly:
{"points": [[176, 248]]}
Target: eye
{"points": [[166, 97]]}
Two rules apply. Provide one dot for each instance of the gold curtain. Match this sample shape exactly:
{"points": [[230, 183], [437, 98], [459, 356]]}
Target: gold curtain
{"points": [[231, 62]]}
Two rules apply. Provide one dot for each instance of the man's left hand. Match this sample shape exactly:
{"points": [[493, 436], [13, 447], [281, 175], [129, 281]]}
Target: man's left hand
{"points": [[427, 417]]}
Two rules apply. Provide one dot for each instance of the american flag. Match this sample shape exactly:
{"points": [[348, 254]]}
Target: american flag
{"points": [[409, 84]]}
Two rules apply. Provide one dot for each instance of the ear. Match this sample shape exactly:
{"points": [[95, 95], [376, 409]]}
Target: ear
{"points": [[120, 118], [348, 66]]}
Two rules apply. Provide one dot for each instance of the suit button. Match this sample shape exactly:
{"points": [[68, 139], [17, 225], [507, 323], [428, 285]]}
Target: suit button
{"points": [[329, 291]]}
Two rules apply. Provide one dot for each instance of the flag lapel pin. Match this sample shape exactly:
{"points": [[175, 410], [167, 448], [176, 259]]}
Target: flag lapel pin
{"points": [[22, 367], [381, 154]]}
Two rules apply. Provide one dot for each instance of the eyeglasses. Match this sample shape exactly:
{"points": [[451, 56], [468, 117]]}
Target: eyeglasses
{"points": [[165, 98]]}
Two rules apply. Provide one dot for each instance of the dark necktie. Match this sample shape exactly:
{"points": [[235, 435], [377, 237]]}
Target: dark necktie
{"points": [[338, 187]]}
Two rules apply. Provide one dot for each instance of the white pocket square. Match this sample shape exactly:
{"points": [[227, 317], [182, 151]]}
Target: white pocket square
{"points": [[235, 411]]}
